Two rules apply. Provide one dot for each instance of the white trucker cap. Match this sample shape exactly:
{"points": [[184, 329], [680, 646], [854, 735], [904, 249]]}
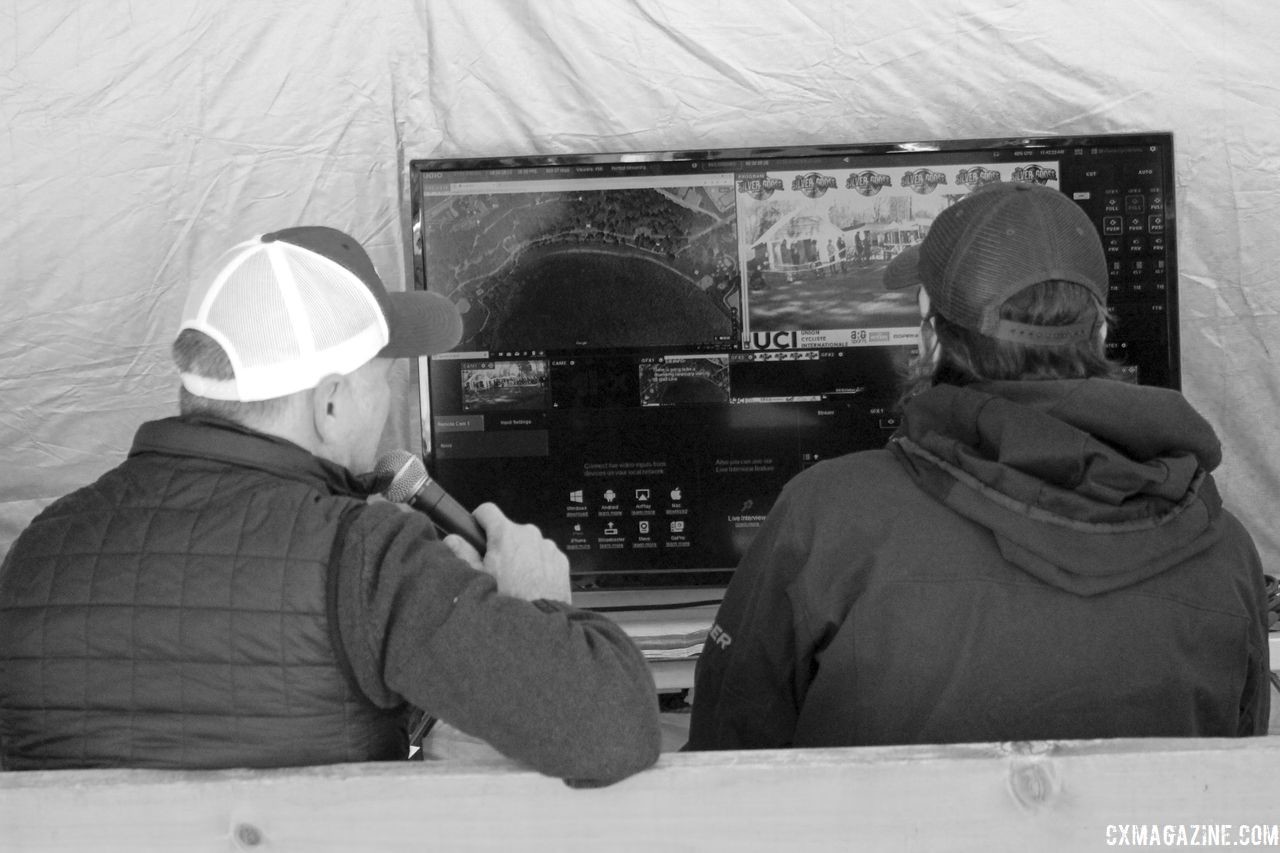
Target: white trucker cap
{"points": [[294, 306]]}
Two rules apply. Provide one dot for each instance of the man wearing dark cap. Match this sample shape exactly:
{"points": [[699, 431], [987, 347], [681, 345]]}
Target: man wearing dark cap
{"points": [[1040, 552], [228, 597]]}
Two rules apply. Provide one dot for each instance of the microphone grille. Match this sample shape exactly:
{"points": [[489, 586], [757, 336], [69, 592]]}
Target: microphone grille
{"points": [[405, 472]]}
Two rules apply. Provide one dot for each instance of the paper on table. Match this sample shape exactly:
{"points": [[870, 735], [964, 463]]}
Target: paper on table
{"points": [[669, 634]]}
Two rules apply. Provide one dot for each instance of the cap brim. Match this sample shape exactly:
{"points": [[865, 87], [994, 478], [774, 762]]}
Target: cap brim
{"points": [[904, 270], [421, 323]]}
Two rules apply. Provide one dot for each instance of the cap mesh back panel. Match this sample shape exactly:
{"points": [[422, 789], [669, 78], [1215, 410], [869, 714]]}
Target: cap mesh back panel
{"points": [[345, 309], [261, 337]]}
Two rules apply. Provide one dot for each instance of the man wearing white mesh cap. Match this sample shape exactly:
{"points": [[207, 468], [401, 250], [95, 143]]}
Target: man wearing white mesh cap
{"points": [[1039, 553], [228, 596]]}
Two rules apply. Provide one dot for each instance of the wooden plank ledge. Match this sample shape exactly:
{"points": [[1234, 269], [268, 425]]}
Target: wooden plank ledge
{"points": [[1049, 795]]}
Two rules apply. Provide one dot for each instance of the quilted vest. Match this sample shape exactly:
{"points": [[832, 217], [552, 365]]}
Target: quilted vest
{"points": [[174, 615]]}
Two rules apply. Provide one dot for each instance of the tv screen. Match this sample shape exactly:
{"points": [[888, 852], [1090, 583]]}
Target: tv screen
{"points": [[655, 342]]}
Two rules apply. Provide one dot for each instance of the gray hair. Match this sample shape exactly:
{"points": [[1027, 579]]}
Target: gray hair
{"points": [[195, 352]]}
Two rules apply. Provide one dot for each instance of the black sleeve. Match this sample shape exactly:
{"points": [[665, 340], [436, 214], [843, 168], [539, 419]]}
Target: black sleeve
{"points": [[1255, 704], [1255, 698], [751, 676], [562, 690]]}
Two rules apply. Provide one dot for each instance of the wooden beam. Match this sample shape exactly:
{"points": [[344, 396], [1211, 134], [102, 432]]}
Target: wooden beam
{"points": [[1024, 796]]}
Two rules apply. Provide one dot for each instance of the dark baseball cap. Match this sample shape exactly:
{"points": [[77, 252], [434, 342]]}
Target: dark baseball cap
{"points": [[995, 242]]}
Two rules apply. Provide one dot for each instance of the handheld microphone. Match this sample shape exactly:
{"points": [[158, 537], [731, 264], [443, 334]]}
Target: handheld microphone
{"points": [[411, 484]]}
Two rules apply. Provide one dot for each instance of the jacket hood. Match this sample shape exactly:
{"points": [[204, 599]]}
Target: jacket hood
{"points": [[1089, 485]]}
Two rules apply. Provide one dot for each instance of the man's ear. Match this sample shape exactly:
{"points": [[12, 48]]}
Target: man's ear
{"points": [[326, 400], [930, 345]]}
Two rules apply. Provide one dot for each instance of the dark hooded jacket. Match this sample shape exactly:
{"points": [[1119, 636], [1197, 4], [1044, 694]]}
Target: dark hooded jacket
{"points": [[1025, 560]]}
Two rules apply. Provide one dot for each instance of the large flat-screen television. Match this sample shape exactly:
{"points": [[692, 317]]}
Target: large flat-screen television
{"points": [[655, 342]]}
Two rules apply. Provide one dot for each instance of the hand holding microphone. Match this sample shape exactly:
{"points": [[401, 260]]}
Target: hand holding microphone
{"points": [[410, 484], [525, 564]]}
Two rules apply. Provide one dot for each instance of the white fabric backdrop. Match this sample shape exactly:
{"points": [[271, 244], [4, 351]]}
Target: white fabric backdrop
{"points": [[140, 138]]}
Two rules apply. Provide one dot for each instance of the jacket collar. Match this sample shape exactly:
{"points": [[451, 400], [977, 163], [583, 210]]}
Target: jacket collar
{"points": [[228, 442]]}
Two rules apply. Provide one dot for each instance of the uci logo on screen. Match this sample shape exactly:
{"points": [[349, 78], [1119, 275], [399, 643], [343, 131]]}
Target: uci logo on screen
{"points": [[775, 340]]}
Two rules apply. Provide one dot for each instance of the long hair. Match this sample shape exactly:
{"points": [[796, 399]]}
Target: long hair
{"points": [[967, 356], [195, 352]]}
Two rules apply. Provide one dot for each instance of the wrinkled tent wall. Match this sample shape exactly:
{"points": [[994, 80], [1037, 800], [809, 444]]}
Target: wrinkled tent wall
{"points": [[140, 139]]}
